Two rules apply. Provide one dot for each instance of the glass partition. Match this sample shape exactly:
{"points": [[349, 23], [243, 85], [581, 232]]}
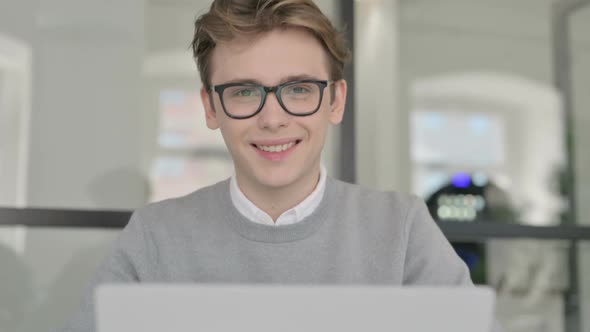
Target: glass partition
{"points": [[485, 118], [532, 283], [43, 272]]}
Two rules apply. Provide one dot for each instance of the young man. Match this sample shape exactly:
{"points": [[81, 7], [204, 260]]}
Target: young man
{"points": [[272, 73]]}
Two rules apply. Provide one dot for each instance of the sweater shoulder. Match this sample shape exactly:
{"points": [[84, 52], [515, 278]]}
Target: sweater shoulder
{"points": [[368, 198], [190, 206], [392, 212]]}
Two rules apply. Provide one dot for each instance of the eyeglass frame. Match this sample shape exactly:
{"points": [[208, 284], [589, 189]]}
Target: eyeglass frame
{"points": [[323, 84]]}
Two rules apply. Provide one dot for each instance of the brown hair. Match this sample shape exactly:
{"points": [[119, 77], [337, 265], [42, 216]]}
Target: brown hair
{"points": [[228, 19]]}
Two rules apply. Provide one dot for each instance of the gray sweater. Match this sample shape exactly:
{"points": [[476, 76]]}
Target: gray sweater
{"points": [[355, 236]]}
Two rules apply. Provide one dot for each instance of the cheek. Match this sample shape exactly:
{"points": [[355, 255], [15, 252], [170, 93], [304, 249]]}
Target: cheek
{"points": [[317, 130], [228, 136], [227, 141], [233, 131]]}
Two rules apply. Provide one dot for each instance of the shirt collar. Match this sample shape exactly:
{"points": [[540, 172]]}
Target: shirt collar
{"points": [[291, 216]]}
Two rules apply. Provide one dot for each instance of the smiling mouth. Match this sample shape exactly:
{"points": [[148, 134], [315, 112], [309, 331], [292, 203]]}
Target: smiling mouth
{"points": [[276, 148]]}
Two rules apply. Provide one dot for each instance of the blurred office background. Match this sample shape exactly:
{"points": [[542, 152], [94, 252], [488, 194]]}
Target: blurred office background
{"points": [[478, 106]]}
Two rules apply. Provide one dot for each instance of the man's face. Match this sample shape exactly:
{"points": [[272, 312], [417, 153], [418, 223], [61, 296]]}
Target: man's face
{"points": [[270, 59]]}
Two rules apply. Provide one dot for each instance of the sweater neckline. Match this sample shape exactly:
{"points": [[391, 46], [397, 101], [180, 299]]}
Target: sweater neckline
{"points": [[282, 233]]}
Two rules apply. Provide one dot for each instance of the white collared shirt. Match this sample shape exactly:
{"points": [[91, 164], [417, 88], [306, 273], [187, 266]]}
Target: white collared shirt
{"points": [[291, 216]]}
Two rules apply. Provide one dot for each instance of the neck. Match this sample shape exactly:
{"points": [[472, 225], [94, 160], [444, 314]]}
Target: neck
{"points": [[276, 200]]}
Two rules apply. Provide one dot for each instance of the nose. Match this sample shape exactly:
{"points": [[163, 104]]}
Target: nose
{"points": [[273, 116]]}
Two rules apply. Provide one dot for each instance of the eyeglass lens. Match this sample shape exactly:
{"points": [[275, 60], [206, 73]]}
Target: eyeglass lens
{"points": [[297, 98]]}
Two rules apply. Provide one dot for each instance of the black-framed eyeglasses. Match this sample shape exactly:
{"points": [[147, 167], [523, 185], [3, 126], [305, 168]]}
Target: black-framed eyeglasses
{"points": [[245, 100]]}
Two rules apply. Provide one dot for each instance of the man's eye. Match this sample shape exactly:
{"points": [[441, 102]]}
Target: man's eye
{"points": [[299, 89], [244, 93]]}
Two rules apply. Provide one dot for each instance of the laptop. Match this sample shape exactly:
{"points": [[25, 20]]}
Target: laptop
{"points": [[265, 308]]}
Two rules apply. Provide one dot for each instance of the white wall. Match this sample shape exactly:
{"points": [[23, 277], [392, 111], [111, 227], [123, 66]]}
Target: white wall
{"points": [[85, 126], [83, 130], [15, 109], [580, 25], [381, 125], [15, 65]]}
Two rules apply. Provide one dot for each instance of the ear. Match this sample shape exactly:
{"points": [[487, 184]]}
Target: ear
{"points": [[210, 114], [339, 102]]}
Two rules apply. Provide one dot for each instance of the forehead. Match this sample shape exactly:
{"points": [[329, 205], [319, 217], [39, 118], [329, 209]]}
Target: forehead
{"points": [[269, 57]]}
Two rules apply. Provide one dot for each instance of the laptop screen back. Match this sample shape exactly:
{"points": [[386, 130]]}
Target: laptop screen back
{"points": [[217, 308]]}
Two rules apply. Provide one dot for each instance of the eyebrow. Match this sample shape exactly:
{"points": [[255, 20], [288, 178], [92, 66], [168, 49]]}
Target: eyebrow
{"points": [[289, 78]]}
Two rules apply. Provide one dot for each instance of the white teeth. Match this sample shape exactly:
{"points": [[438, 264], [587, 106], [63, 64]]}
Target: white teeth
{"points": [[275, 148]]}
